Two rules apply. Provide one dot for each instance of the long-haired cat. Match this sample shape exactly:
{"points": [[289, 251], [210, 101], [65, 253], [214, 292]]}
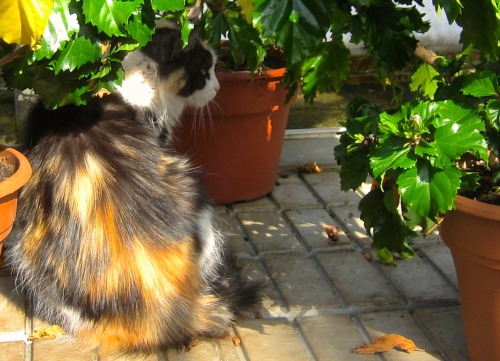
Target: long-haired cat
{"points": [[115, 240]]}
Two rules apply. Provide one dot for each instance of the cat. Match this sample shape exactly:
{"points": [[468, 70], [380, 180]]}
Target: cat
{"points": [[115, 241], [165, 80]]}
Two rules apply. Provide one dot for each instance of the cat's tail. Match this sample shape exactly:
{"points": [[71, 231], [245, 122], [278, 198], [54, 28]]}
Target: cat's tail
{"points": [[242, 296]]}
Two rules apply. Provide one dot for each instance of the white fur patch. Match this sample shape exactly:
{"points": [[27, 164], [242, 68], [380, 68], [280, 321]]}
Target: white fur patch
{"points": [[144, 88]]}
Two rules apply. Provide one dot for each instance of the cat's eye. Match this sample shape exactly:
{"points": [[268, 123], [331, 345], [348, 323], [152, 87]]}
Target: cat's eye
{"points": [[205, 73]]}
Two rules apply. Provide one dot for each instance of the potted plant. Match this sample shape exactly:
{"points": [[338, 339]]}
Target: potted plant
{"points": [[81, 49], [15, 171], [241, 155], [427, 155]]}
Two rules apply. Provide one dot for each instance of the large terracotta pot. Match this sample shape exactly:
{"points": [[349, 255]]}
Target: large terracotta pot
{"points": [[472, 232], [9, 189], [238, 139]]}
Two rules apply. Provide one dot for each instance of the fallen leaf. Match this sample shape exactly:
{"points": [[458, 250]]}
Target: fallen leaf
{"points": [[332, 232], [236, 341], [387, 343], [47, 332], [102, 92], [312, 167], [368, 256]]}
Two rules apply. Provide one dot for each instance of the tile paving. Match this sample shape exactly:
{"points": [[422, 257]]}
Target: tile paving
{"points": [[322, 298]]}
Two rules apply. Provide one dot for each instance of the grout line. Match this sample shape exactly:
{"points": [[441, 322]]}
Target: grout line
{"points": [[428, 260], [364, 333], [300, 334], [28, 323], [430, 336]]}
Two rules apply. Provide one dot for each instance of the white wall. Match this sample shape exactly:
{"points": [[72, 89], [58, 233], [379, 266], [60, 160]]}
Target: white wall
{"points": [[442, 37]]}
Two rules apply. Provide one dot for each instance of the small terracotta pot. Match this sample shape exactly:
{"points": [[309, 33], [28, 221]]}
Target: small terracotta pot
{"points": [[472, 232], [9, 189], [237, 140]]}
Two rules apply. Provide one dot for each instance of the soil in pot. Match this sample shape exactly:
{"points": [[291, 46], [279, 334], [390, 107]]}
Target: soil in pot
{"points": [[6, 169]]}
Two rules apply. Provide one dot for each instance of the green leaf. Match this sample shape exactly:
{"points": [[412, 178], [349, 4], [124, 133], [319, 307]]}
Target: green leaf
{"points": [[139, 29], [492, 112], [481, 84], [452, 8], [326, 70], [244, 41], [391, 154], [167, 5], [480, 26], [298, 26], [355, 168], [387, 227], [458, 137], [429, 191], [61, 27], [110, 16], [75, 54], [425, 80]]}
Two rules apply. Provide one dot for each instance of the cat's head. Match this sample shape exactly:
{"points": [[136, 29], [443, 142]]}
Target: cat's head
{"points": [[165, 77]]}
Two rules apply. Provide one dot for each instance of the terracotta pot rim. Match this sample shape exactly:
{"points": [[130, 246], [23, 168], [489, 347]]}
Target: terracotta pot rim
{"points": [[481, 209], [21, 175], [247, 75]]}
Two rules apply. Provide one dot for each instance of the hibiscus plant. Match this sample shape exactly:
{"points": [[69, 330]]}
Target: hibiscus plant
{"points": [[73, 48], [446, 141]]}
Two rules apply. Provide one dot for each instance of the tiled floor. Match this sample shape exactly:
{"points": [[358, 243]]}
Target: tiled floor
{"points": [[322, 298]]}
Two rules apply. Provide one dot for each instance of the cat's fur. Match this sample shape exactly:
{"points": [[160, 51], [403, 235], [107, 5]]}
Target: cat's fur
{"points": [[115, 241], [163, 80]]}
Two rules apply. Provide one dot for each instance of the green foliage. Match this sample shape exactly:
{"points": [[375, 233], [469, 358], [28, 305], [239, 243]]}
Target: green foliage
{"points": [[415, 152], [82, 48], [85, 40]]}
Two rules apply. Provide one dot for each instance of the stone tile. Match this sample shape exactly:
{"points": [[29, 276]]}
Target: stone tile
{"points": [[332, 338], [128, 357], [303, 287], [269, 232], [12, 351], [349, 217], [327, 186], [419, 282], [206, 350], [261, 204], [12, 316], [272, 300], [359, 282], [446, 327], [292, 192], [62, 349], [270, 340], [441, 257], [402, 323], [431, 239], [310, 224], [230, 229]]}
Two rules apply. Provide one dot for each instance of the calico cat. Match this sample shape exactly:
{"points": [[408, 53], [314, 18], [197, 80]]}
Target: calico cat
{"points": [[115, 241]]}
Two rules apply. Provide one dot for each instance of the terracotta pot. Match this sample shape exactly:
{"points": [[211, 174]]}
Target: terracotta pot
{"points": [[9, 189], [472, 232], [237, 140]]}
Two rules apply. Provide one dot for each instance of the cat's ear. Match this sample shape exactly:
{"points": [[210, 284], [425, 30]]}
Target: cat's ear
{"points": [[165, 45]]}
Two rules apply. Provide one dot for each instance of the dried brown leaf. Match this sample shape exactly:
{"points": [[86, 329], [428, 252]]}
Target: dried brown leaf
{"points": [[236, 341], [47, 332], [387, 343], [311, 167], [332, 232]]}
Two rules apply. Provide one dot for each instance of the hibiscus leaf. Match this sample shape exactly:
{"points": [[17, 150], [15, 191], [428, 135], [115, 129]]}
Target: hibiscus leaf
{"points": [[297, 25], [110, 16], [76, 53]]}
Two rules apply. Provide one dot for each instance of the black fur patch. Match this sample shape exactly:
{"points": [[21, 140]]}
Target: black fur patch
{"points": [[195, 59]]}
